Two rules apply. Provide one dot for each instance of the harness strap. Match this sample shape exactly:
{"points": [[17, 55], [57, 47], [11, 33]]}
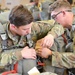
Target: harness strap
{"points": [[16, 67], [9, 72], [3, 37], [12, 71], [41, 63], [65, 40]]}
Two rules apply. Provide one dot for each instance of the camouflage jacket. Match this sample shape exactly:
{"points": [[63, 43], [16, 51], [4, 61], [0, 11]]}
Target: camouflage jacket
{"points": [[65, 59], [39, 30]]}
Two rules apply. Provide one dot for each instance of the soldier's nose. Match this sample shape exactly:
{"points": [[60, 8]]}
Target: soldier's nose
{"points": [[27, 32]]}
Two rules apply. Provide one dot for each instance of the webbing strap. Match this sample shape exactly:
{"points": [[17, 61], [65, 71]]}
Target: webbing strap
{"points": [[65, 40], [8, 72], [12, 71]]}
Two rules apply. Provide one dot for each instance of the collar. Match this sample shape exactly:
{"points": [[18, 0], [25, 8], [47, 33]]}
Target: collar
{"points": [[10, 35]]}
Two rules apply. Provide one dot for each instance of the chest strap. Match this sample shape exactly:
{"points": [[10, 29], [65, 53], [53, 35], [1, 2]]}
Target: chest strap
{"points": [[3, 37], [65, 40]]}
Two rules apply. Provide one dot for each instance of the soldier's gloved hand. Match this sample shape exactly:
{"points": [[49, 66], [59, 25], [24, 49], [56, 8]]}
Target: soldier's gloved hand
{"points": [[28, 53], [47, 41], [38, 45], [44, 53], [6, 58]]}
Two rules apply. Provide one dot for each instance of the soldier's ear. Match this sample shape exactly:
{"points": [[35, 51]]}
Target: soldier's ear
{"points": [[13, 26]]}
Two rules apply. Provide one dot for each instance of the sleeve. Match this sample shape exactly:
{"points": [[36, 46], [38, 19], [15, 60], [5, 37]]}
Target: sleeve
{"points": [[63, 59], [59, 44], [10, 56], [57, 30], [42, 28]]}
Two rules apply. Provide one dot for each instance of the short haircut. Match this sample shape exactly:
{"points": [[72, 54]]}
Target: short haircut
{"points": [[20, 16], [58, 5]]}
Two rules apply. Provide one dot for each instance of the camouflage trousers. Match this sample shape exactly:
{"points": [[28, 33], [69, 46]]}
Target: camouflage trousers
{"points": [[24, 66]]}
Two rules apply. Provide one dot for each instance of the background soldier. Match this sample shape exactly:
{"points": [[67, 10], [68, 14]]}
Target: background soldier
{"points": [[44, 15]]}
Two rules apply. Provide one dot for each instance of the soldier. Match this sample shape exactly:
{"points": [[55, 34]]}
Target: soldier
{"points": [[61, 12], [44, 15], [34, 8], [14, 39], [66, 19]]}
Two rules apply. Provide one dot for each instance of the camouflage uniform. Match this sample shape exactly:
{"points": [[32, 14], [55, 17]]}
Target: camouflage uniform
{"points": [[66, 59], [58, 46], [61, 44], [39, 30], [35, 12], [34, 9]]}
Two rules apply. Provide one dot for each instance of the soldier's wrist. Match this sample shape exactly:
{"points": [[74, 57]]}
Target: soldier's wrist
{"points": [[50, 53], [53, 34]]}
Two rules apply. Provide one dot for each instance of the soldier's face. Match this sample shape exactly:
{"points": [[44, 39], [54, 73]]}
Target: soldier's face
{"points": [[24, 30], [58, 16], [64, 17]]}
